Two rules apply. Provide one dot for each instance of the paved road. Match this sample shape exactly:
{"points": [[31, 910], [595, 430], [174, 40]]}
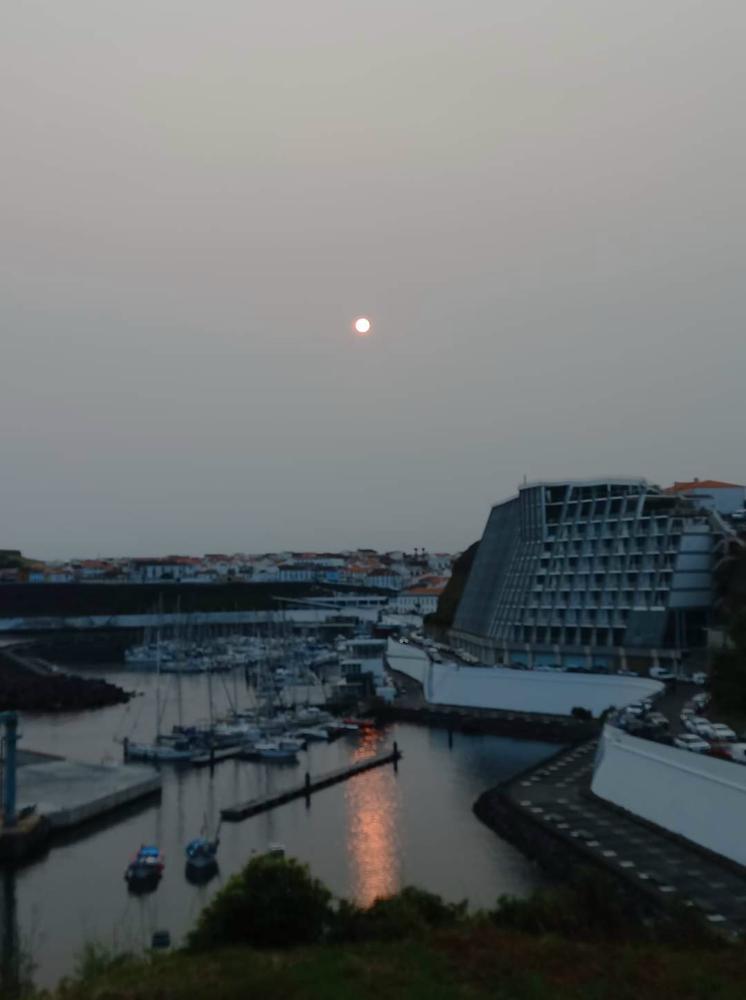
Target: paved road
{"points": [[555, 794]]}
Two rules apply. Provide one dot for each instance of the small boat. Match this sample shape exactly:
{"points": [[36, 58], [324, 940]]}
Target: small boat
{"points": [[145, 870], [292, 743], [157, 751], [315, 733], [201, 859], [359, 723], [273, 751]]}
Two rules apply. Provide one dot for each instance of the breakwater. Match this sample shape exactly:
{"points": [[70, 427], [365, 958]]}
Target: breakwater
{"points": [[29, 684], [549, 813]]}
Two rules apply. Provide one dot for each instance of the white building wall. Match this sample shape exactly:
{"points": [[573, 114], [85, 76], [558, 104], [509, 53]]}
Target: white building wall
{"points": [[517, 690], [698, 797], [726, 499]]}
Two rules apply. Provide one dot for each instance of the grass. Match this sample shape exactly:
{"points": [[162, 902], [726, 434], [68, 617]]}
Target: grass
{"points": [[471, 963]]}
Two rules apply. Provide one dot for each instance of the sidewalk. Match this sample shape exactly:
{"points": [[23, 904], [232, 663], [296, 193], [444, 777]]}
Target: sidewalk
{"points": [[557, 795]]}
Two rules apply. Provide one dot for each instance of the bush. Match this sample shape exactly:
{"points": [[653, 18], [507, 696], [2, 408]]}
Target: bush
{"points": [[589, 907], [410, 913], [581, 713], [273, 903]]}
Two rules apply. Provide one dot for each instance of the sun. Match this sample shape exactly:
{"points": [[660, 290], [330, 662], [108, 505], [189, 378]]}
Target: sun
{"points": [[362, 326]]}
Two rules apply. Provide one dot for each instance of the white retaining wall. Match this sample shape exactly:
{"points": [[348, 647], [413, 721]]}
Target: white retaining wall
{"points": [[517, 690], [698, 797]]}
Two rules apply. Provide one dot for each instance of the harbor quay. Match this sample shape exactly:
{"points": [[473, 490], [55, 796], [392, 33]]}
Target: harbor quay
{"points": [[55, 794], [551, 814]]}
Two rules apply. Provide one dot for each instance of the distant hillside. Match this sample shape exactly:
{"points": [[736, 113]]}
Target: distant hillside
{"points": [[449, 600], [11, 559]]}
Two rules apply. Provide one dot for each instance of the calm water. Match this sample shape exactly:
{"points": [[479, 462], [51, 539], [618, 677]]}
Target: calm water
{"points": [[363, 838]]}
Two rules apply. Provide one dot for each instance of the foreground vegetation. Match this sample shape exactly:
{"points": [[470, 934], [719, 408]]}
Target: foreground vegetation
{"points": [[275, 932], [468, 963]]}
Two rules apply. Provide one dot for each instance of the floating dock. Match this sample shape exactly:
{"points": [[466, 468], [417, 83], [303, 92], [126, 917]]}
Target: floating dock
{"points": [[265, 802]]}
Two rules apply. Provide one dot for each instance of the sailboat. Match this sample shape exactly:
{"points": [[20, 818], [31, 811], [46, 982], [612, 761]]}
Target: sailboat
{"points": [[145, 870], [201, 858], [165, 748]]}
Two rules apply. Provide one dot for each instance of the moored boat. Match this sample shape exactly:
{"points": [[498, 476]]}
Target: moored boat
{"points": [[273, 751], [146, 868], [201, 858], [314, 733]]}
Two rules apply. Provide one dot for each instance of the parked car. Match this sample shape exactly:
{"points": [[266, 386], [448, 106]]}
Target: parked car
{"points": [[688, 741], [719, 731], [737, 752], [698, 725], [701, 699], [661, 674], [657, 719], [699, 678]]}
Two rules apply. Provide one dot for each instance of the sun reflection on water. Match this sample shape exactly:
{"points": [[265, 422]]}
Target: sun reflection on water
{"points": [[372, 806]]}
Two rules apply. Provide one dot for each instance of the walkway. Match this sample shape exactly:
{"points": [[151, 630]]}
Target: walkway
{"points": [[557, 794]]}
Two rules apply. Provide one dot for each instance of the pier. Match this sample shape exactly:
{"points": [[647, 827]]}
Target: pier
{"points": [[252, 807], [550, 813]]}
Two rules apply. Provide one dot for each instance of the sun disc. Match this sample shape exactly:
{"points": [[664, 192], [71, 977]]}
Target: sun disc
{"points": [[362, 325]]}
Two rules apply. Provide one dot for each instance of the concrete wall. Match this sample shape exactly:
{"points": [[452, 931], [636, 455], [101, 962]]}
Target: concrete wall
{"points": [[698, 797], [517, 690], [90, 623]]}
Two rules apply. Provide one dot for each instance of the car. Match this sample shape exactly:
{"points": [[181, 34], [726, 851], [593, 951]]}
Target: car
{"points": [[699, 678], [719, 731], [688, 741], [635, 709], [701, 699], [737, 752], [697, 725], [657, 719], [661, 674]]}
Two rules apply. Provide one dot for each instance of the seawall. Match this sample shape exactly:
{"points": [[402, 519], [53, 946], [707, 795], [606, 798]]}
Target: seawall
{"points": [[517, 690], [699, 798]]}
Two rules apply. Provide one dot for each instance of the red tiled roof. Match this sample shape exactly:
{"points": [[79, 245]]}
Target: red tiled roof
{"points": [[701, 484]]}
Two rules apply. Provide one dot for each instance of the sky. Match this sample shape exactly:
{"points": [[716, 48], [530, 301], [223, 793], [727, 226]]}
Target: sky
{"points": [[539, 205]]}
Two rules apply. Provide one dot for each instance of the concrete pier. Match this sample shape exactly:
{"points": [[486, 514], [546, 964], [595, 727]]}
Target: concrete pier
{"points": [[67, 793], [244, 809], [55, 794]]}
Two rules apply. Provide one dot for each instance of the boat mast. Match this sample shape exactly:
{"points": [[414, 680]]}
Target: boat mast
{"points": [[158, 672]]}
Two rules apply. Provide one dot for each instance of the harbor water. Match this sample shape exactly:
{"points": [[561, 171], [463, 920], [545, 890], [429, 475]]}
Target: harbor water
{"points": [[366, 837]]}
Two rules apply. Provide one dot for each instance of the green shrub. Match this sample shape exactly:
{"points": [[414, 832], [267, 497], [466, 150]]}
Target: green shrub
{"points": [[590, 906], [408, 914], [583, 714], [273, 903]]}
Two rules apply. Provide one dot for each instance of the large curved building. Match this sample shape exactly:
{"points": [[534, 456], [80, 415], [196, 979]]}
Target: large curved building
{"points": [[589, 575]]}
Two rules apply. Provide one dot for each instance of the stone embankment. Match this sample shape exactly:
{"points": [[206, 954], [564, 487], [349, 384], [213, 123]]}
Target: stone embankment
{"points": [[550, 814]]}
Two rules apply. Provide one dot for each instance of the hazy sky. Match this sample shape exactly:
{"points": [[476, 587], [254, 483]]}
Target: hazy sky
{"points": [[540, 204]]}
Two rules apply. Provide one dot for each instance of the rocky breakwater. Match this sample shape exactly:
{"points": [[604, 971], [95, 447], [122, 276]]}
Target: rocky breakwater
{"points": [[28, 684]]}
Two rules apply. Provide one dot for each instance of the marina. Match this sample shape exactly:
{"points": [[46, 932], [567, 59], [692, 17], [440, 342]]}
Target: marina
{"points": [[366, 836]]}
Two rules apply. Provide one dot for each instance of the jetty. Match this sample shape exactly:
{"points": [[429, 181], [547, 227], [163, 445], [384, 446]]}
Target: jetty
{"points": [[243, 810]]}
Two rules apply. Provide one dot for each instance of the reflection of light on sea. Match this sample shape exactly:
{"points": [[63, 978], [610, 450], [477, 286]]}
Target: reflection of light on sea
{"points": [[371, 839]]}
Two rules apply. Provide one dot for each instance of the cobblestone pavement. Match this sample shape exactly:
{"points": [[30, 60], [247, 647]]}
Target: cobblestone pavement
{"points": [[556, 795]]}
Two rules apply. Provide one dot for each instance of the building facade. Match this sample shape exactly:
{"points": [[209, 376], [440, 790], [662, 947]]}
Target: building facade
{"points": [[589, 575]]}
